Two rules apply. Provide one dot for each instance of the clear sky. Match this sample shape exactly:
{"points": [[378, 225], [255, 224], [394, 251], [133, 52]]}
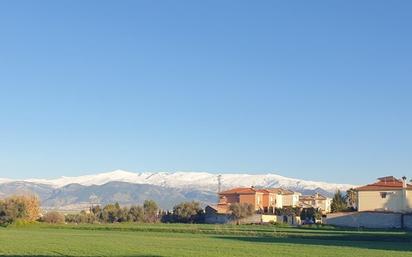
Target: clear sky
{"points": [[316, 90]]}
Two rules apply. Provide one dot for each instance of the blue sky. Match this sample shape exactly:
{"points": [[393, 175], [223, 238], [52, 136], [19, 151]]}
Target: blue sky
{"points": [[310, 89]]}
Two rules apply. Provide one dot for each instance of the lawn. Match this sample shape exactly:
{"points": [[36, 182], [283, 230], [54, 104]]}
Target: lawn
{"points": [[198, 240]]}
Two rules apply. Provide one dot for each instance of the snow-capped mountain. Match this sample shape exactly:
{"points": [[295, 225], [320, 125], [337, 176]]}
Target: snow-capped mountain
{"points": [[3, 180], [186, 180], [166, 188]]}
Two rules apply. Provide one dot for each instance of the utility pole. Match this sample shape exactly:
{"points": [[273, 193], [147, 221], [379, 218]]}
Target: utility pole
{"points": [[219, 183]]}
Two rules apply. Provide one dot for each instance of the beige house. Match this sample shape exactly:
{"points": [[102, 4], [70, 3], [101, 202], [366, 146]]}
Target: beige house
{"points": [[387, 194], [272, 198], [316, 201], [290, 198]]}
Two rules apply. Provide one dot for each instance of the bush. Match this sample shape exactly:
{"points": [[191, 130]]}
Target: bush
{"points": [[22, 222], [185, 212], [23, 208], [241, 210], [310, 214], [339, 202], [150, 211], [54, 217], [114, 213]]}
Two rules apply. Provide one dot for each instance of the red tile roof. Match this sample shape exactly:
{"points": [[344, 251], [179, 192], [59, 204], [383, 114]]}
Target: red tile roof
{"points": [[384, 183], [312, 197], [241, 190], [252, 190], [277, 191]]}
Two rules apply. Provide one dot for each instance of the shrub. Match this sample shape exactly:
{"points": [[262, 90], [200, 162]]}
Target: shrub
{"points": [[339, 203], [310, 214], [186, 212], [150, 211], [241, 210], [54, 217], [24, 208]]}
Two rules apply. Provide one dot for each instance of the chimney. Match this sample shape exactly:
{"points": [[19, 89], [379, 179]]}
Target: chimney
{"points": [[404, 182]]}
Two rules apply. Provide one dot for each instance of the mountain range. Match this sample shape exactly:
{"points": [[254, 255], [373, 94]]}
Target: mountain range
{"points": [[166, 188]]}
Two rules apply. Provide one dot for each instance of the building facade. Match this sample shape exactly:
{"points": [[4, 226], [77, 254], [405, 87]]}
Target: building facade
{"points": [[388, 194], [316, 201], [248, 195], [263, 200], [290, 198]]}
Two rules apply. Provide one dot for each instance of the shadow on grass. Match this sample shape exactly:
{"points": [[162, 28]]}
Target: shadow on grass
{"points": [[369, 242], [31, 255]]}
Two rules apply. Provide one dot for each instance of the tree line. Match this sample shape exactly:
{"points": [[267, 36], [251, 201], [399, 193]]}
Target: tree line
{"points": [[27, 209], [149, 212]]}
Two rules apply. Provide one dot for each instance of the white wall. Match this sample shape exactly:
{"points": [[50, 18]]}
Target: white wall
{"points": [[279, 201]]}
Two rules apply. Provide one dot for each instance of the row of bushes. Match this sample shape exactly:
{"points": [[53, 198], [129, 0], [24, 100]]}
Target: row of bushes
{"points": [[26, 208], [186, 212]]}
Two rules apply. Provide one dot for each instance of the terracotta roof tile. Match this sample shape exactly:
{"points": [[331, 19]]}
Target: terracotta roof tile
{"points": [[281, 191], [312, 197], [240, 190], [385, 183], [251, 190]]}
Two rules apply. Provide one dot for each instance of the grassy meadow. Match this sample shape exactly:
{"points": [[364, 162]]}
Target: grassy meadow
{"points": [[139, 240]]}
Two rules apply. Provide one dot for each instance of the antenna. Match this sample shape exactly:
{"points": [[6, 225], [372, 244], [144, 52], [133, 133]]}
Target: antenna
{"points": [[219, 183]]}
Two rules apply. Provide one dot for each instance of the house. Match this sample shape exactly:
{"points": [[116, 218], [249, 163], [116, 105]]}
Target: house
{"points": [[386, 194], [272, 198], [263, 200], [316, 201], [248, 195], [289, 198]]}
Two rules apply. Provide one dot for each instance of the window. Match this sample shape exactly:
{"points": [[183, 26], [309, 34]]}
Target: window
{"points": [[383, 194]]}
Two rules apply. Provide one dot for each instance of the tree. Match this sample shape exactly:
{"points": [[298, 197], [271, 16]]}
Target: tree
{"points": [[54, 217], [288, 211], [5, 219], [123, 214], [97, 212], [241, 211], [72, 218], [24, 207], [338, 202], [187, 212], [352, 198], [136, 214], [150, 211], [110, 213], [32, 204], [310, 214]]}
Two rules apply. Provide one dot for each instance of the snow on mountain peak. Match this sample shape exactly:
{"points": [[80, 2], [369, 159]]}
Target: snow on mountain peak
{"points": [[195, 180], [5, 180]]}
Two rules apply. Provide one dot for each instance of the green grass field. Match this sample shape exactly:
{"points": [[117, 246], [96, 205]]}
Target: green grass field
{"points": [[198, 240]]}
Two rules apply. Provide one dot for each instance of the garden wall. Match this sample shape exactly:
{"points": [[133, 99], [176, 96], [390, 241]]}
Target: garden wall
{"points": [[367, 220]]}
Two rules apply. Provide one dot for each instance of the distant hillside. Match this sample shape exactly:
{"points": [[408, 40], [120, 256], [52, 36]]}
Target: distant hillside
{"points": [[22, 187], [124, 193], [165, 188]]}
